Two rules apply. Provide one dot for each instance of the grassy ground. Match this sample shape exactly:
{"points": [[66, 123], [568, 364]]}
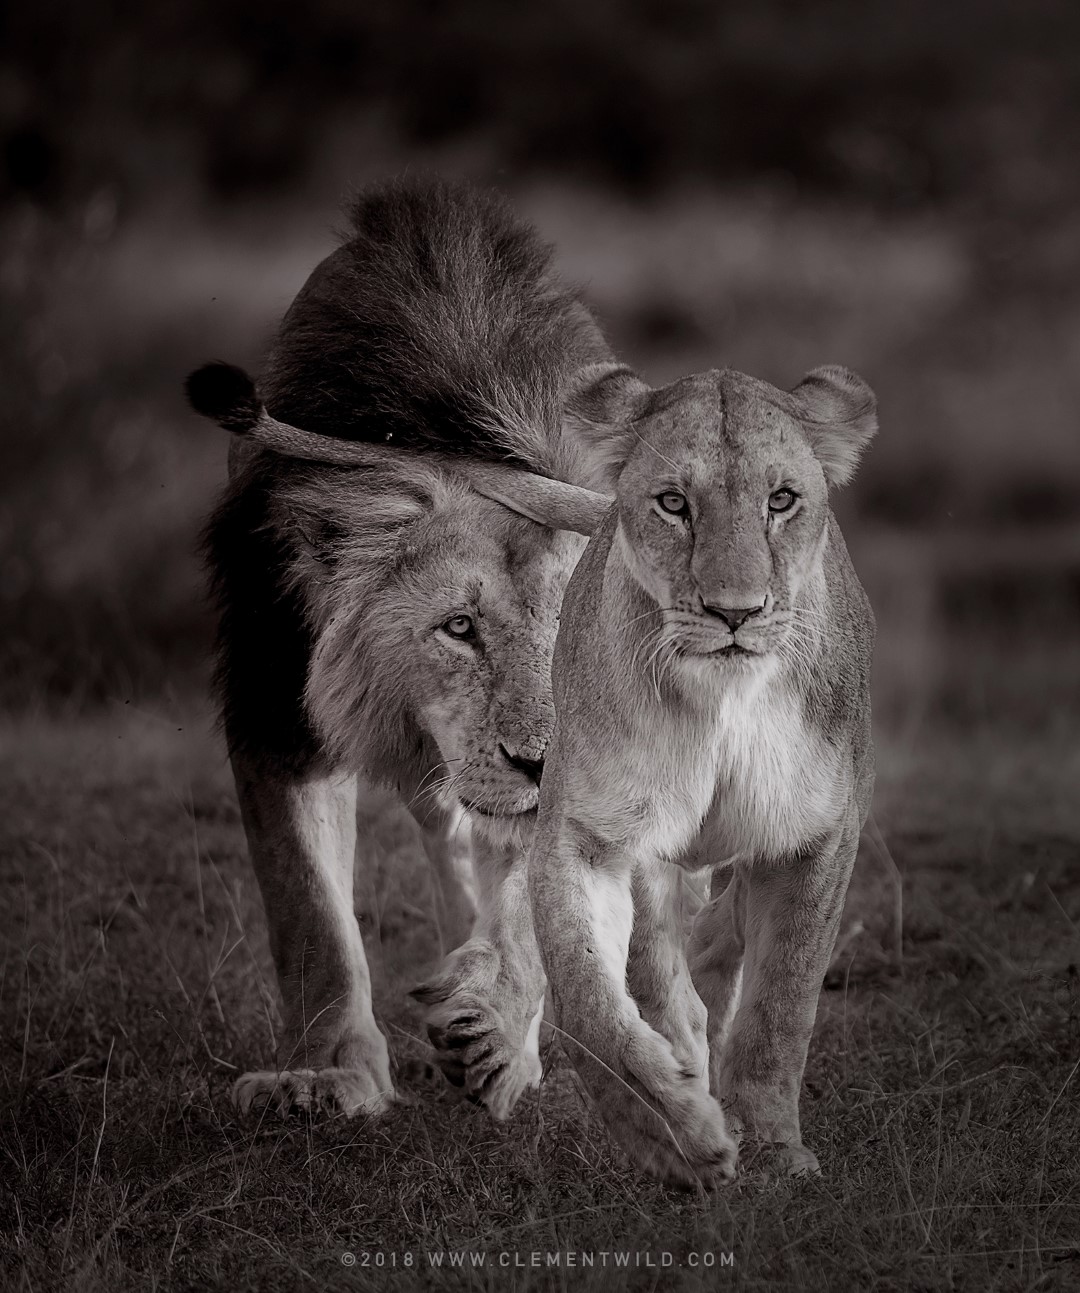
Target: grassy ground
{"points": [[941, 1093]]}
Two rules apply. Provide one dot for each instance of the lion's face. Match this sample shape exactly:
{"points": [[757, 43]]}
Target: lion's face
{"points": [[483, 601], [722, 512], [435, 613]]}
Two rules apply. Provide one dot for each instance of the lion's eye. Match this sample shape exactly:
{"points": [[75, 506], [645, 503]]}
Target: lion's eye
{"points": [[672, 502], [783, 500], [461, 626]]}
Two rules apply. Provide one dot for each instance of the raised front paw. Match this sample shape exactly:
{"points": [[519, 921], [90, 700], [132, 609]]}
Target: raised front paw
{"points": [[484, 1024], [658, 1111], [333, 1092], [475, 1053]]}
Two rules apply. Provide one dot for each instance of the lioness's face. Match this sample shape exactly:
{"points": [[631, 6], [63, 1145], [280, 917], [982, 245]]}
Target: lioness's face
{"points": [[484, 591], [722, 514]]}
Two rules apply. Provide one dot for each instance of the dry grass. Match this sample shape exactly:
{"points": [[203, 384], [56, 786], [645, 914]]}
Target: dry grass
{"points": [[136, 984]]}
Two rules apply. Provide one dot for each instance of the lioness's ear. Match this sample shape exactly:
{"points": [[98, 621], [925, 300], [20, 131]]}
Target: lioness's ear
{"points": [[602, 400], [838, 414]]}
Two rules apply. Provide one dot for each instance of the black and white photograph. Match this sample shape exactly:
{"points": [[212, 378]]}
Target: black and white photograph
{"points": [[540, 646]]}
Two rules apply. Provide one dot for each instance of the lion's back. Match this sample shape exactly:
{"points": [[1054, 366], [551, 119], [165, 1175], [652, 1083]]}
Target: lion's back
{"points": [[438, 324]]}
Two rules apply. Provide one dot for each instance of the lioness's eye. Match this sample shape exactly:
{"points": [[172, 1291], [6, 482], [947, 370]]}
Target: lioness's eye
{"points": [[783, 500], [673, 502], [461, 626]]}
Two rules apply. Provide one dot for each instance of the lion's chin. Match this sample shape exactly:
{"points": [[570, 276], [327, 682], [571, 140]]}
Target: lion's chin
{"points": [[503, 828], [500, 813]]}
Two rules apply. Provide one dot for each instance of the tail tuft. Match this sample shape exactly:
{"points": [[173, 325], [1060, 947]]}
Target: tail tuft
{"points": [[226, 394]]}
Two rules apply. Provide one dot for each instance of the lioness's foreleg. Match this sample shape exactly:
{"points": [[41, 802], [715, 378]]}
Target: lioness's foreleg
{"points": [[657, 972], [486, 1002], [655, 1107], [716, 962], [792, 914], [302, 838]]}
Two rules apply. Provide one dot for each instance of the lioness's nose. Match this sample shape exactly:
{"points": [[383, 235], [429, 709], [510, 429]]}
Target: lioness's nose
{"points": [[734, 616], [532, 768]]}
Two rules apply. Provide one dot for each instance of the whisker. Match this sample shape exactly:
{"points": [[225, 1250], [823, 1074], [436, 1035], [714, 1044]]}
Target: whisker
{"points": [[649, 445], [654, 666], [653, 610], [644, 645], [436, 789], [432, 771]]}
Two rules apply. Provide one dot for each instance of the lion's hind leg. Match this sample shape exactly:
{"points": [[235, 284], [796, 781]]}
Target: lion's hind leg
{"points": [[301, 833]]}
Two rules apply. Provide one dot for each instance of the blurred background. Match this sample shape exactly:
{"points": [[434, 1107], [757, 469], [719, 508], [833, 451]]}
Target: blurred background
{"points": [[768, 185]]}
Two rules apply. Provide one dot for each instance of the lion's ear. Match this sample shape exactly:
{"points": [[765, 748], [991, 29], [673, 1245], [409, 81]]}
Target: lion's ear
{"points": [[838, 414], [602, 400]]}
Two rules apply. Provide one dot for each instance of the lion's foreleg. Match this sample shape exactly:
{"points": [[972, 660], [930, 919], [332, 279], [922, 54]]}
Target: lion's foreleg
{"points": [[448, 845], [791, 920], [485, 1003], [654, 1106], [657, 972], [302, 837]]}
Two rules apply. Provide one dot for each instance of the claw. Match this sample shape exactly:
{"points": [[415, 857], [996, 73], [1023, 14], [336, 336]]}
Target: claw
{"points": [[334, 1091]]}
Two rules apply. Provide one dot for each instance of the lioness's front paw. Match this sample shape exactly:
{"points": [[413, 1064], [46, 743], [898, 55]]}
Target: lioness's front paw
{"points": [[659, 1113], [329, 1091], [484, 1024], [769, 1159]]}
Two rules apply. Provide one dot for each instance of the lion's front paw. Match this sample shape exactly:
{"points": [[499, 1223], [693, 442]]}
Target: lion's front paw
{"points": [[659, 1113], [483, 1021], [330, 1091], [475, 1053]]}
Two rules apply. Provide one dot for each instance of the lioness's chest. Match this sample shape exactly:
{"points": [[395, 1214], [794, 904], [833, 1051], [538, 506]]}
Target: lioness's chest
{"points": [[750, 777], [778, 784]]}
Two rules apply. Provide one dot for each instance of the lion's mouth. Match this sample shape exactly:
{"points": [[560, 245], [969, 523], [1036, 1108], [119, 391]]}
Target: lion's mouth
{"points": [[498, 813]]}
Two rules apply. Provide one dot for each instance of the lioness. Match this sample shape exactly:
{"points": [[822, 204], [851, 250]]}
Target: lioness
{"points": [[397, 623], [711, 683]]}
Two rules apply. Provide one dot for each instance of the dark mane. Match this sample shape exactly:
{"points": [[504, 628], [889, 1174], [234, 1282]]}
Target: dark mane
{"points": [[439, 324]]}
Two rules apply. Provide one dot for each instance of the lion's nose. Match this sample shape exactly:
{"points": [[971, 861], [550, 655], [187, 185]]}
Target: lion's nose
{"points": [[532, 768], [734, 616]]}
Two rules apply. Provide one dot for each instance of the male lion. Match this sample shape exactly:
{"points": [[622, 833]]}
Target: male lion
{"points": [[711, 684], [397, 623]]}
